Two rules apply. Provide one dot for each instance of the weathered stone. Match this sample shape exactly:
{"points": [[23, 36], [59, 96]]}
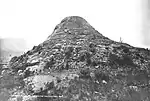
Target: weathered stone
{"points": [[77, 63]]}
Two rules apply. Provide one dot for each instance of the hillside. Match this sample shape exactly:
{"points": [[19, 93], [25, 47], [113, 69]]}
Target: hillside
{"points": [[77, 63]]}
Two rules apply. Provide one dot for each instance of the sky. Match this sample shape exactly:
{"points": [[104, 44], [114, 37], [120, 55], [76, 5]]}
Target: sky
{"points": [[146, 22], [34, 20]]}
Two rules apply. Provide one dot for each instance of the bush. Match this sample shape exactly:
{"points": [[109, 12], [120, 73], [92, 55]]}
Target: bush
{"points": [[85, 73]]}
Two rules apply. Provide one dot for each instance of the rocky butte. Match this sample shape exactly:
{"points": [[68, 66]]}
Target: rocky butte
{"points": [[77, 63]]}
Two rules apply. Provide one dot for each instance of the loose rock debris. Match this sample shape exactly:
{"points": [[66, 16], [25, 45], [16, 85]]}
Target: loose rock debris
{"points": [[77, 63]]}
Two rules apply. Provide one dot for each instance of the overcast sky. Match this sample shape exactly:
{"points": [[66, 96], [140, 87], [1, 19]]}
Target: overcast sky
{"points": [[35, 20]]}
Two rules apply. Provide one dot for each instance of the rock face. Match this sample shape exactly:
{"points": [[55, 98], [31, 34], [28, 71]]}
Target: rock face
{"points": [[77, 63]]}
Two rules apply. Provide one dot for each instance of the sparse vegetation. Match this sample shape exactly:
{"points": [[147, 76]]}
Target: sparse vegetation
{"points": [[82, 66]]}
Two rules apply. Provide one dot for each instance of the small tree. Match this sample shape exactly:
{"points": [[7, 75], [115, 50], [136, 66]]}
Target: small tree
{"points": [[121, 41]]}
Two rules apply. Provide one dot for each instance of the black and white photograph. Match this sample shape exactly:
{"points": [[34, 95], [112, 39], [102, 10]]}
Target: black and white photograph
{"points": [[74, 50]]}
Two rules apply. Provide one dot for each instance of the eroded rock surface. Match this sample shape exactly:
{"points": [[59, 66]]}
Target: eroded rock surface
{"points": [[77, 63]]}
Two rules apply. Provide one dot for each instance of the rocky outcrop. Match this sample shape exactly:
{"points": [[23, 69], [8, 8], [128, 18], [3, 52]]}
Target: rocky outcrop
{"points": [[77, 63]]}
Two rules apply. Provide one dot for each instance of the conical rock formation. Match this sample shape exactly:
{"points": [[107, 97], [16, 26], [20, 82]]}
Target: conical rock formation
{"points": [[77, 63]]}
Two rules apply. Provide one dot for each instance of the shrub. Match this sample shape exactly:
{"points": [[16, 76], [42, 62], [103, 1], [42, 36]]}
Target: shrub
{"points": [[68, 52], [85, 73]]}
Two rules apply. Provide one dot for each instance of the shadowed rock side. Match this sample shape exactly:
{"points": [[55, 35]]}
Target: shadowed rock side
{"points": [[77, 63]]}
